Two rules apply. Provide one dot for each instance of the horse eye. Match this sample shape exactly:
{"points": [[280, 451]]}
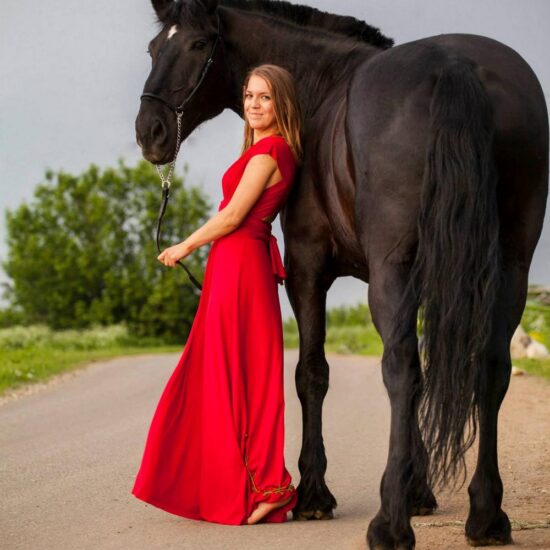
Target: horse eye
{"points": [[199, 45]]}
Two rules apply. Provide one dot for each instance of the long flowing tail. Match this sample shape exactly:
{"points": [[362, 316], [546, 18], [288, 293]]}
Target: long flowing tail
{"points": [[455, 274]]}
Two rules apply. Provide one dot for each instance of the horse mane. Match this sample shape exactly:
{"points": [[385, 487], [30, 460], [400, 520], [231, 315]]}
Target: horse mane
{"points": [[306, 16], [344, 26]]}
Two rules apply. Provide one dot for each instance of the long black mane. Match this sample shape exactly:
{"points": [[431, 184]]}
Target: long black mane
{"points": [[338, 26]]}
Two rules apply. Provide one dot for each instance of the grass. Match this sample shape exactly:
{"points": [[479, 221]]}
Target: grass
{"points": [[20, 367], [537, 367], [34, 354], [536, 323], [349, 339], [350, 331]]}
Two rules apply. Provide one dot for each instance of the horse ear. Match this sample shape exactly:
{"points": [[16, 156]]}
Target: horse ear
{"points": [[160, 7], [210, 5]]}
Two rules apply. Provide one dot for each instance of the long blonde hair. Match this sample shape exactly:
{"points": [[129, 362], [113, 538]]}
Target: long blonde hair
{"points": [[285, 106]]}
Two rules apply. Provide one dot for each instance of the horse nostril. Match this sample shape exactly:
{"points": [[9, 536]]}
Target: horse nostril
{"points": [[158, 131]]}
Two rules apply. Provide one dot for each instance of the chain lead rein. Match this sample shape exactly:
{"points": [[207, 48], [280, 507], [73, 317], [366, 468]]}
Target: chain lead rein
{"points": [[179, 113], [166, 182]]}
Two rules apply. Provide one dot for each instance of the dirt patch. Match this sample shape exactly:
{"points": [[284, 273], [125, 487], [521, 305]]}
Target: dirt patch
{"points": [[524, 463]]}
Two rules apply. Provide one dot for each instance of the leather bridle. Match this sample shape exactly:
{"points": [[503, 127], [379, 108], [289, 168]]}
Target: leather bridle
{"points": [[179, 110]]}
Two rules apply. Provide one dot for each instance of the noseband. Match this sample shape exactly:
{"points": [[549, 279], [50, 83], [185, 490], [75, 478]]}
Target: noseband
{"points": [[166, 181]]}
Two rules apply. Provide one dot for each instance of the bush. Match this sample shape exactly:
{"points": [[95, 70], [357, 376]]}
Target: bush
{"points": [[43, 337], [83, 253]]}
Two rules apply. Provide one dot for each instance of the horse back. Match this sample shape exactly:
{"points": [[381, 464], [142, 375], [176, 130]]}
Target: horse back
{"points": [[388, 124]]}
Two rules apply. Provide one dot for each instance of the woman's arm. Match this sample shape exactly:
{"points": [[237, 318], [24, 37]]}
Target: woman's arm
{"points": [[257, 173]]}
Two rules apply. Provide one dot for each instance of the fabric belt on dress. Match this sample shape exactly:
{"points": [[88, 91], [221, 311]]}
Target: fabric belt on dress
{"points": [[262, 230]]}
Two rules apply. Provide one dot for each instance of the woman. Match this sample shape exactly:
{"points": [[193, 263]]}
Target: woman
{"points": [[215, 446]]}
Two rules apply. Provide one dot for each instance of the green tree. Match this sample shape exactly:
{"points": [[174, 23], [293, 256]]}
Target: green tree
{"points": [[83, 252]]}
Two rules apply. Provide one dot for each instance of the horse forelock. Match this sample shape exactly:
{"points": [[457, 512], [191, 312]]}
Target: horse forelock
{"points": [[190, 12]]}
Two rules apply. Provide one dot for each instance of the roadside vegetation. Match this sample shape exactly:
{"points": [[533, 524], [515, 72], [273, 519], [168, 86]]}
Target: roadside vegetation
{"points": [[35, 353], [84, 283], [536, 323], [350, 330]]}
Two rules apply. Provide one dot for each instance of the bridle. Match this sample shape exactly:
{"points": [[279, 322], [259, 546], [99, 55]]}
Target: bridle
{"points": [[166, 181]]}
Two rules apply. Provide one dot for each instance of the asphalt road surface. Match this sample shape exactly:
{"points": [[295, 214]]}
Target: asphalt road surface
{"points": [[70, 451]]}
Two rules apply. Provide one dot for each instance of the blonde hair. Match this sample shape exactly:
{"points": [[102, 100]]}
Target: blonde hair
{"points": [[285, 106]]}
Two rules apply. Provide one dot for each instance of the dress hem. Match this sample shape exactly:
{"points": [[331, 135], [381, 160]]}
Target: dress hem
{"points": [[278, 515]]}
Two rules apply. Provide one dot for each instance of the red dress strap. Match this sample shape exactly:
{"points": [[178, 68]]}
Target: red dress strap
{"points": [[278, 148]]}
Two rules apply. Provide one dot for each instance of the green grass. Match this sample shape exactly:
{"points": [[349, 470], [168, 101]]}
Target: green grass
{"points": [[536, 323], [538, 367], [357, 340], [34, 354], [24, 366], [350, 331]]}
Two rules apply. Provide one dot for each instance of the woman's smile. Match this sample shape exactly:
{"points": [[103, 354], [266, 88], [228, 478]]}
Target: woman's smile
{"points": [[259, 107]]}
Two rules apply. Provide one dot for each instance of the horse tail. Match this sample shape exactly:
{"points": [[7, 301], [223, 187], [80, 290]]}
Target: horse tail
{"points": [[455, 273]]}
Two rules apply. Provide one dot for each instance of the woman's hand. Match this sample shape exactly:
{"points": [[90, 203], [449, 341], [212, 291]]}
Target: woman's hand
{"points": [[170, 256]]}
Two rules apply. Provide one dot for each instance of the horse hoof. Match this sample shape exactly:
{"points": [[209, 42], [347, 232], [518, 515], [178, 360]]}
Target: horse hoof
{"points": [[391, 547], [305, 515], [425, 505], [498, 533], [423, 510], [379, 536], [491, 541]]}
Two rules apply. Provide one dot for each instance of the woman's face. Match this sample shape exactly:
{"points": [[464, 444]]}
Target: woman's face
{"points": [[258, 106]]}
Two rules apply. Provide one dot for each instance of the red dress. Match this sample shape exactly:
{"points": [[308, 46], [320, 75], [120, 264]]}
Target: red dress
{"points": [[216, 441]]}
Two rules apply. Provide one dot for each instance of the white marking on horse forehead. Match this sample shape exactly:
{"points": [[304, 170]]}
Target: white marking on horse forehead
{"points": [[173, 30]]}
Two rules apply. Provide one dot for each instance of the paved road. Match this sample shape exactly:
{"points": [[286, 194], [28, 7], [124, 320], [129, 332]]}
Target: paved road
{"points": [[70, 452]]}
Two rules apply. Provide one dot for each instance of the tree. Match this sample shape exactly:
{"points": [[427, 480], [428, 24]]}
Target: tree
{"points": [[83, 252]]}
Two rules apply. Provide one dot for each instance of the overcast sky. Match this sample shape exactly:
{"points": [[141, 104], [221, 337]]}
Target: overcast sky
{"points": [[72, 75]]}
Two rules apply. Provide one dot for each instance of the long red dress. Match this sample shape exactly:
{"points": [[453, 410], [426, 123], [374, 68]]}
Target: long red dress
{"points": [[216, 441]]}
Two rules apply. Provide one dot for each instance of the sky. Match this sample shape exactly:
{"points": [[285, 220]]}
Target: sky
{"points": [[72, 77]]}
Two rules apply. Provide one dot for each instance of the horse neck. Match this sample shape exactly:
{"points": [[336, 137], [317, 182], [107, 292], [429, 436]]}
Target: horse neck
{"points": [[317, 59]]}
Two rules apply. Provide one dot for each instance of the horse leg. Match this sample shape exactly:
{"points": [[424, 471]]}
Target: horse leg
{"points": [[423, 500], [390, 529], [487, 524], [307, 295]]}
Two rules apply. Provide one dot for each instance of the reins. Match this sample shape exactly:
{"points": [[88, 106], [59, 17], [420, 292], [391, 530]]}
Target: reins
{"points": [[167, 180]]}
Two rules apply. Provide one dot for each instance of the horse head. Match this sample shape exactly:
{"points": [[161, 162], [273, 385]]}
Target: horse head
{"points": [[187, 74]]}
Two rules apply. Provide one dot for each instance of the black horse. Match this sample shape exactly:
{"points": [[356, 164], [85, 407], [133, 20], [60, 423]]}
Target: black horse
{"points": [[425, 175]]}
